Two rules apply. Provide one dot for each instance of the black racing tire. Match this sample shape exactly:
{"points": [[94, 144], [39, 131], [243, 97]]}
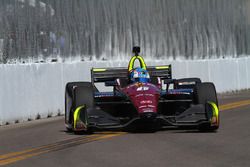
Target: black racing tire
{"points": [[204, 92], [83, 94], [77, 94]]}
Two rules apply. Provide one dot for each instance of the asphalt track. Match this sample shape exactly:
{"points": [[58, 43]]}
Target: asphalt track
{"points": [[46, 143]]}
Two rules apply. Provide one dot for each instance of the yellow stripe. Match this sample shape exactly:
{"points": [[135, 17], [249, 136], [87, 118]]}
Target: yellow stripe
{"points": [[54, 147], [40, 150], [162, 67], [17, 153], [99, 69], [19, 158], [44, 147], [234, 105]]}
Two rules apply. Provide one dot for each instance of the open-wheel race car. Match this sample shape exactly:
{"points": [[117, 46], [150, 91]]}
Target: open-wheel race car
{"points": [[144, 97]]}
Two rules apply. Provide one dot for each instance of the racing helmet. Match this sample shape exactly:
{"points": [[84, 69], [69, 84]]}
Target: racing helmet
{"points": [[139, 75]]}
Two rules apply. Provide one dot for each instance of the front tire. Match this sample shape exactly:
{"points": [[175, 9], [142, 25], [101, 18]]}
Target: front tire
{"points": [[77, 94], [205, 93]]}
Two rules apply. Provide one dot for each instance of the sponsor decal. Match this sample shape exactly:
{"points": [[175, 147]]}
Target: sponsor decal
{"points": [[139, 95], [142, 106], [148, 110], [146, 102], [148, 95], [143, 88]]}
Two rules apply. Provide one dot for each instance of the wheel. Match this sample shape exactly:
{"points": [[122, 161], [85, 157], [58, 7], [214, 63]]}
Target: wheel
{"points": [[205, 93], [77, 94]]}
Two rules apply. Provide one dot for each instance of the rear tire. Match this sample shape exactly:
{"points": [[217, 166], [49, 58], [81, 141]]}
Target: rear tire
{"points": [[203, 93], [77, 94]]}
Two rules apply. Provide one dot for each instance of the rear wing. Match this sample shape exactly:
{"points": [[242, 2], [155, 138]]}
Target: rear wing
{"points": [[111, 74]]}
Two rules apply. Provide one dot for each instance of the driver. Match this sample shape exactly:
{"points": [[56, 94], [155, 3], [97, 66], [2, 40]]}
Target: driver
{"points": [[139, 75]]}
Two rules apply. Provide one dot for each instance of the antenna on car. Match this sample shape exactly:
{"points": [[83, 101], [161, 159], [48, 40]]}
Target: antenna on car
{"points": [[136, 50]]}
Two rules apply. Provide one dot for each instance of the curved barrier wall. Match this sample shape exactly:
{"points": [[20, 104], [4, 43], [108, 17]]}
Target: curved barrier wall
{"points": [[37, 90]]}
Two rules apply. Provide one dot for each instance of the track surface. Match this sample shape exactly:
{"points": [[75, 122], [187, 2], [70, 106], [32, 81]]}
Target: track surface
{"points": [[45, 143]]}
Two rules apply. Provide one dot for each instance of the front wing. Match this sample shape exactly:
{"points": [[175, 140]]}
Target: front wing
{"points": [[195, 116]]}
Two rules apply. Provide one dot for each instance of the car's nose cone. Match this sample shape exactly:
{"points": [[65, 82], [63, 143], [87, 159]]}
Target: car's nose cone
{"points": [[148, 115]]}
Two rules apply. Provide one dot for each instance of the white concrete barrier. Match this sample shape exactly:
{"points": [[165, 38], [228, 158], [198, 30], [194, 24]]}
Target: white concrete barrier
{"points": [[27, 91]]}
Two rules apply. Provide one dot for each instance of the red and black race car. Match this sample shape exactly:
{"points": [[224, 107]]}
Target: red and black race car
{"points": [[143, 98]]}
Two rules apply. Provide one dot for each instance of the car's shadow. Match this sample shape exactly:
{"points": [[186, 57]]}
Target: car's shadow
{"points": [[141, 131], [74, 133], [185, 130]]}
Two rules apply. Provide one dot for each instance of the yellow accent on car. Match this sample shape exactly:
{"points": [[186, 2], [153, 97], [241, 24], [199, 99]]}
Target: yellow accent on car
{"points": [[162, 67], [141, 60], [215, 118], [131, 63], [99, 69], [77, 114], [143, 65]]}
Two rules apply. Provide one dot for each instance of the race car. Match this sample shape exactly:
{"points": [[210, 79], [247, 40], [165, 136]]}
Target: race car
{"points": [[143, 97]]}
